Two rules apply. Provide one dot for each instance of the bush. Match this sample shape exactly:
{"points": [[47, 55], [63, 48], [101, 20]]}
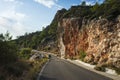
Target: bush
{"points": [[2, 77], [14, 70], [25, 53], [100, 68], [32, 74], [8, 52], [82, 55], [117, 70], [8, 49]]}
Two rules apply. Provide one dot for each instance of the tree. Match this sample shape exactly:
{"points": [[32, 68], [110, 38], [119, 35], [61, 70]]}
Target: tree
{"points": [[5, 37], [83, 3], [25, 53], [95, 7], [1, 37], [8, 50], [43, 28]]}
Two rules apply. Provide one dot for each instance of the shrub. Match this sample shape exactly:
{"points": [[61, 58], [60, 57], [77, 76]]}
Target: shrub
{"points": [[117, 70], [8, 49], [8, 52], [100, 68], [16, 69], [13, 70], [25, 53], [2, 77], [34, 70], [82, 55]]}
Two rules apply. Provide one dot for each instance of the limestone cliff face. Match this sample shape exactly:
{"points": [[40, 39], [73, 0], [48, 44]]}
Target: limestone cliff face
{"points": [[99, 39]]}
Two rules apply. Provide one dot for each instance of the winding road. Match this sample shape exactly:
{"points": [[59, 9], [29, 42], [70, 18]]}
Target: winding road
{"points": [[59, 69]]}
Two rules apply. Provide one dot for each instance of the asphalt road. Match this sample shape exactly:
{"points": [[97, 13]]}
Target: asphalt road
{"points": [[58, 69]]}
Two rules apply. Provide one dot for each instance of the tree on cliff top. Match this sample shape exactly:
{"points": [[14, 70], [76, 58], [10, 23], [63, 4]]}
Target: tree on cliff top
{"points": [[83, 3]]}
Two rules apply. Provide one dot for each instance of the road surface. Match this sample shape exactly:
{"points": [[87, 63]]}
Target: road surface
{"points": [[58, 69]]}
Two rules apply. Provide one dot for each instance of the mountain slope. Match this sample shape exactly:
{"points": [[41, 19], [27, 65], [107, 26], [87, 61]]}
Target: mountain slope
{"points": [[48, 39]]}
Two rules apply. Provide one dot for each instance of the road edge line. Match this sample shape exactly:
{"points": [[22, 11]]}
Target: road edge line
{"points": [[41, 71], [114, 77]]}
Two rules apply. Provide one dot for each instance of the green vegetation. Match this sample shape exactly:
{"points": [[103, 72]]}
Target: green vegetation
{"points": [[39, 39], [117, 70], [22, 70], [31, 40], [8, 50], [33, 71], [25, 53], [108, 9], [14, 63], [34, 40], [14, 53], [82, 55]]}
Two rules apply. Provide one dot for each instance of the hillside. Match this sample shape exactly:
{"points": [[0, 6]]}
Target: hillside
{"points": [[89, 33], [92, 38], [47, 38], [84, 33]]}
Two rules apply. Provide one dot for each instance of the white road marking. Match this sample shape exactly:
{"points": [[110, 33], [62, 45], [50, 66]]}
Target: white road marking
{"points": [[39, 75]]}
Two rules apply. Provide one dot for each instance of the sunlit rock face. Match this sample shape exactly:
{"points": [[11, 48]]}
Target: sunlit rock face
{"points": [[69, 30], [100, 39]]}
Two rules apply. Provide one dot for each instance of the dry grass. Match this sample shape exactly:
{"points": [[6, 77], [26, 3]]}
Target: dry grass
{"points": [[21, 70]]}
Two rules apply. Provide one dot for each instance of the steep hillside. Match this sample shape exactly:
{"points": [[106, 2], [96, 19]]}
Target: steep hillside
{"points": [[95, 41], [93, 38], [45, 39], [74, 20]]}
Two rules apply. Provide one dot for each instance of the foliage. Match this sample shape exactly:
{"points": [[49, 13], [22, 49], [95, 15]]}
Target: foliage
{"points": [[32, 74], [82, 55], [108, 9], [83, 3], [25, 53], [78, 11], [30, 40], [117, 70], [100, 68], [34, 40], [22, 70], [5, 37], [17, 68], [8, 49]]}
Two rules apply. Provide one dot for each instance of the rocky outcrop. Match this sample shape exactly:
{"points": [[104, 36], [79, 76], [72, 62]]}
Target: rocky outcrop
{"points": [[99, 39]]}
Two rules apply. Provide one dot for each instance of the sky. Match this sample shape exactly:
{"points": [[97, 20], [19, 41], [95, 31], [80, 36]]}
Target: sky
{"points": [[21, 16]]}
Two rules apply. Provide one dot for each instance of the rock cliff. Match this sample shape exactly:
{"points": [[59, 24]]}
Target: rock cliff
{"points": [[97, 39]]}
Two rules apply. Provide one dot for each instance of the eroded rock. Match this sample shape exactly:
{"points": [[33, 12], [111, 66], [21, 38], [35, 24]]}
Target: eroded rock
{"points": [[100, 39]]}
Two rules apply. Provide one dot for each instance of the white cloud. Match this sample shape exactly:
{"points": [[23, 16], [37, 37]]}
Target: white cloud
{"points": [[3, 21], [9, 0], [90, 2], [12, 14], [48, 3], [17, 2], [11, 20], [14, 27]]}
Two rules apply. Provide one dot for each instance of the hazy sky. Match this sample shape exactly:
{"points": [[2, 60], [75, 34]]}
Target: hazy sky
{"points": [[20, 16]]}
